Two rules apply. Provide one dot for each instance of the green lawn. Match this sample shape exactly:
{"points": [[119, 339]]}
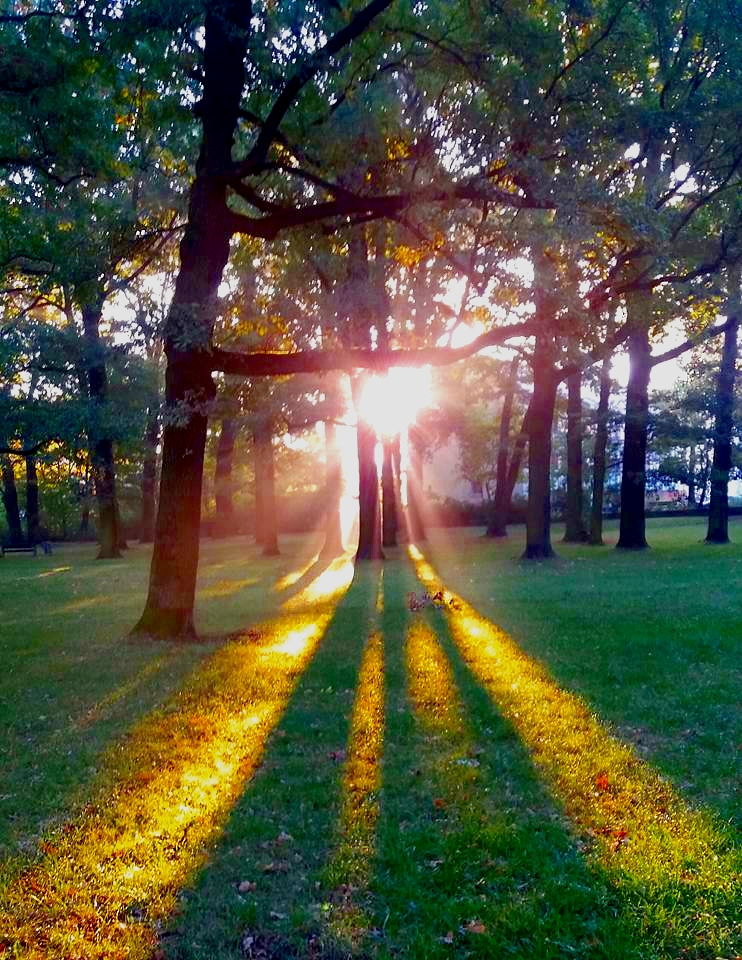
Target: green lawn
{"points": [[542, 763]]}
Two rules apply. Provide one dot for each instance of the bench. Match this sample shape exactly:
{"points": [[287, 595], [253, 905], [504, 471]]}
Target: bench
{"points": [[4, 550]]}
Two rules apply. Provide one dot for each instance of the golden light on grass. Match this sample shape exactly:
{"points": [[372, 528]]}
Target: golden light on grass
{"points": [[226, 587], [328, 587], [85, 603], [349, 870], [108, 879], [633, 821], [431, 683], [52, 573], [293, 576]]}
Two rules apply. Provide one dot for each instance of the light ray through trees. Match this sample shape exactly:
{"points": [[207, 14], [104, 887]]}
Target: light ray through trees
{"points": [[635, 827], [107, 880]]}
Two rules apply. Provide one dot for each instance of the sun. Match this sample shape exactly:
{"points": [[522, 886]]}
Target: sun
{"points": [[390, 403]]}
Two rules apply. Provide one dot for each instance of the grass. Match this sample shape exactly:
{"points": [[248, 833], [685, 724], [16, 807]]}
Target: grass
{"points": [[540, 764]]}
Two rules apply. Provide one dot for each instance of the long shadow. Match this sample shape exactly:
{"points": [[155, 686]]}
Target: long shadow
{"points": [[61, 728], [475, 858], [669, 876], [276, 841]]}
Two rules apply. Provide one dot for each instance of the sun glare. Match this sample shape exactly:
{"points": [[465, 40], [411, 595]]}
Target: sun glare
{"points": [[391, 403]]}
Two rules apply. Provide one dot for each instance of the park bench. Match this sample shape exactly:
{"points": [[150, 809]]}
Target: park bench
{"points": [[4, 550]]}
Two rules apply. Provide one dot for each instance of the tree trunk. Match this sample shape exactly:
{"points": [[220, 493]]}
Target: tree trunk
{"points": [[149, 478], [540, 422], [575, 528], [10, 502], [633, 475], [189, 388], [223, 483], [497, 526], [388, 497], [415, 485], [718, 523], [369, 527], [692, 476], [266, 522], [101, 453], [599, 459], [333, 542], [32, 502]]}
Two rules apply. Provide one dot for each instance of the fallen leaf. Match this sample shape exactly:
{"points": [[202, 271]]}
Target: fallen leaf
{"points": [[602, 782], [475, 926], [278, 867], [275, 915], [284, 837], [448, 938], [247, 886]]}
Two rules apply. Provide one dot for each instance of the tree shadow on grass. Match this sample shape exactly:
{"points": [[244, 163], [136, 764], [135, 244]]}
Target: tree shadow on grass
{"points": [[475, 858], [668, 874], [260, 893]]}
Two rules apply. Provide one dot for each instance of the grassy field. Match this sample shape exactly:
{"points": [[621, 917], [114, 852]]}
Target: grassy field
{"points": [[542, 761]]}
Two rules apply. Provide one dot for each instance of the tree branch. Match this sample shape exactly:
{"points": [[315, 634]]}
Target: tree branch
{"points": [[319, 361]]}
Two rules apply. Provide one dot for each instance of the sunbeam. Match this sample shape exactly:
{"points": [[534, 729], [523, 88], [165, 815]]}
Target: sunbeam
{"points": [[633, 823]]}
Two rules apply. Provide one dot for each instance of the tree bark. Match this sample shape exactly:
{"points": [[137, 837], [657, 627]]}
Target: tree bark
{"points": [[599, 455], [149, 478], [101, 453], [540, 422], [718, 522], [369, 527], [189, 388], [388, 496], [223, 483], [632, 534], [266, 522], [497, 526], [33, 523], [575, 528], [10, 502]]}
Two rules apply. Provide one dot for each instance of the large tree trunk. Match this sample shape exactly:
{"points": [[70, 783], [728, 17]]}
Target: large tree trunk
{"points": [[266, 522], [632, 534], [10, 502], [333, 534], [223, 483], [718, 523], [575, 527], [599, 458], [540, 422], [388, 497], [189, 388], [497, 526], [33, 524], [149, 478], [369, 527], [101, 453]]}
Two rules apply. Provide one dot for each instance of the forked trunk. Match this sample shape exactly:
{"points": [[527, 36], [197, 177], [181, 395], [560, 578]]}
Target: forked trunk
{"points": [[189, 389], [632, 534], [10, 502], [575, 528], [718, 523], [599, 456]]}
